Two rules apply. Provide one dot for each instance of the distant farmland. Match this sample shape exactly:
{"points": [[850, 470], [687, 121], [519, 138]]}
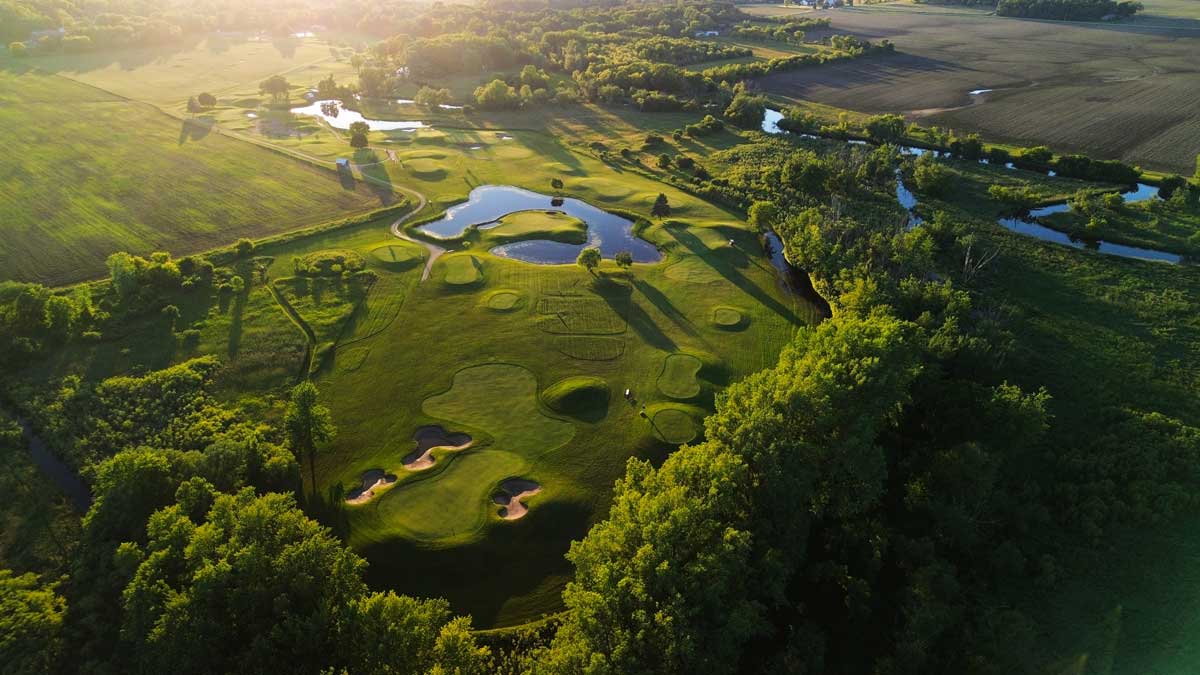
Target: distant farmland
{"points": [[1114, 91], [87, 173]]}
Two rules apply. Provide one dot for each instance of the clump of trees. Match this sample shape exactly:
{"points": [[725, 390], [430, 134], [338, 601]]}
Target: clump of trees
{"points": [[1068, 10], [746, 110]]}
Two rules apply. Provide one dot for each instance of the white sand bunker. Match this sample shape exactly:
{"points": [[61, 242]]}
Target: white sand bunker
{"points": [[512, 491], [371, 481], [429, 439]]}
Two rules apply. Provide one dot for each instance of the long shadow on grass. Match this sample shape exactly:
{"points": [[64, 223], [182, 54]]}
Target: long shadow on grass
{"points": [[664, 305], [375, 175], [235, 325], [513, 559], [727, 270], [635, 317]]}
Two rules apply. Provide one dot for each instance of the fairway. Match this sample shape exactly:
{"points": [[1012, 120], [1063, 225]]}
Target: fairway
{"points": [[137, 181]]}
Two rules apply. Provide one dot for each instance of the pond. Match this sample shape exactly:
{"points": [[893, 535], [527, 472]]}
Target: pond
{"points": [[488, 203], [345, 117], [1027, 224]]}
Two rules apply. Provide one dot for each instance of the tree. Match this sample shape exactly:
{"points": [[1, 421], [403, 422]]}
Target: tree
{"points": [[496, 95], [1197, 174], [429, 97], [171, 314], [661, 208], [556, 184], [193, 106], [244, 248], [762, 215], [589, 259], [746, 111], [18, 49], [664, 161], [885, 128], [624, 260], [358, 134], [309, 424], [31, 620], [206, 99], [277, 86]]}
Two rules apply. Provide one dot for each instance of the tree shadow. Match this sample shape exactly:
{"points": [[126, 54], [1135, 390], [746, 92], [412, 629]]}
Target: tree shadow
{"points": [[636, 317], [727, 270], [195, 129], [664, 305], [375, 174]]}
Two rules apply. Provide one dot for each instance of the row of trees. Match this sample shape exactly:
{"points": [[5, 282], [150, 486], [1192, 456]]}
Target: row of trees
{"points": [[1068, 10]]}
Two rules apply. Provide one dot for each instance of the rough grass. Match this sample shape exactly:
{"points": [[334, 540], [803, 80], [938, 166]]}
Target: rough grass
{"points": [[90, 173]]}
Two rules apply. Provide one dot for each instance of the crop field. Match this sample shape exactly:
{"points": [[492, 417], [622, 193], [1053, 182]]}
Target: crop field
{"points": [[91, 173], [1115, 91]]}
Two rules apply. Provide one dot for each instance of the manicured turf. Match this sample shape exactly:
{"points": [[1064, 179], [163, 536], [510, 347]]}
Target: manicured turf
{"points": [[90, 174], [398, 256], [552, 225], [728, 318], [678, 377], [461, 270], [505, 301]]}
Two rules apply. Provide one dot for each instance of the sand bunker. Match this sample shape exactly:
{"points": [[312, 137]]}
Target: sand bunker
{"points": [[371, 481], [430, 438], [512, 491]]}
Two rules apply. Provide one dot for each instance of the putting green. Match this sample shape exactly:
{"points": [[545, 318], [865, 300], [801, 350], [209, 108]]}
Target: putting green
{"points": [[728, 318], [678, 377], [505, 301], [461, 270], [428, 169], [454, 504], [579, 396], [398, 256], [501, 399], [604, 189], [554, 225], [673, 425]]}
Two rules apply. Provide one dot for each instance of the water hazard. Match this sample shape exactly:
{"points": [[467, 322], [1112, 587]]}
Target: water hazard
{"points": [[487, 204], [344, 117]]}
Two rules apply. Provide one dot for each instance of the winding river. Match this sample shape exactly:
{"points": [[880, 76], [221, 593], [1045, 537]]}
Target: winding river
{"points": [[1027, 224]]}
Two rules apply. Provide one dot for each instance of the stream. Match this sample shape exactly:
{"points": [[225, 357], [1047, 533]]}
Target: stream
{"points": [[1027, 224], [57, 471]]}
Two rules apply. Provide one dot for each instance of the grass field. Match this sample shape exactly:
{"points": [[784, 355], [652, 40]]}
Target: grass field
{"points": [[1115, 91], [91, 173]]}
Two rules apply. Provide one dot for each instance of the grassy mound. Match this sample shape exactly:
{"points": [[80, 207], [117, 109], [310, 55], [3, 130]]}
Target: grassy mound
{"points": [[678, 378], [605, 189], [580, 396], [398, 256], [554, 225], [505, 301], [673, 424], [728, 318], [462, 270], [426, 168]]}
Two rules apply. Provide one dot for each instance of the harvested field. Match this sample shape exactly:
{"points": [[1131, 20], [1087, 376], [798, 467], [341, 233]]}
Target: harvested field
{"points": [[1117, 91]]}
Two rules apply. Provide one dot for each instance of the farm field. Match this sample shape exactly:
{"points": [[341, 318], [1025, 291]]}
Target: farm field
{"points": [[1111, 91], [97, 174]]}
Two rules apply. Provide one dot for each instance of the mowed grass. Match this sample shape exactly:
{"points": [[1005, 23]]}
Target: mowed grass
{"points": [[90, 174], [553, 225], [1110, 90]]}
